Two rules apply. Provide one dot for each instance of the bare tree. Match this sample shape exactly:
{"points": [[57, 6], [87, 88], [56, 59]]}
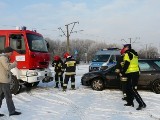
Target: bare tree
{"points": [[81, 49], [152, 52]]}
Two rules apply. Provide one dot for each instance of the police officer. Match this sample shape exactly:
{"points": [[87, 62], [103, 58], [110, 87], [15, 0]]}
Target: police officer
{"points": [[123, 79], [58, 64], [70, 71], [131, 70]]}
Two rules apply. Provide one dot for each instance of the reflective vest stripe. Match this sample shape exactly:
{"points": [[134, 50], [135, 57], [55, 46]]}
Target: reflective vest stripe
{"points": [[65, 85], [73, 83], [70, 73]]}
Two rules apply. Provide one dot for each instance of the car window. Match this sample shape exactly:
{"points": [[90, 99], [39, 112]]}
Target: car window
{"points": [[157, 63], [144, 66], [112, 59]]}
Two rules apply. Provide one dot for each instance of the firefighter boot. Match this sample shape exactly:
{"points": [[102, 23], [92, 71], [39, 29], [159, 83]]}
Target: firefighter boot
{"points": [[56, 85], [61, 85]]}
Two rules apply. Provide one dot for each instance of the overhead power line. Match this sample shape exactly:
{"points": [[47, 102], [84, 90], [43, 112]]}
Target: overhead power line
{"points": [[68, 33]]}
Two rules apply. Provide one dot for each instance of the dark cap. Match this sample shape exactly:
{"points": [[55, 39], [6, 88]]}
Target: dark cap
{"points": [[8, 49], [127, 45]]}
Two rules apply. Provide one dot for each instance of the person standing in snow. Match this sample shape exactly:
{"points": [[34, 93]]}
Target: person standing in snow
{"points": [[131, 71], [70, 71], [58, 64], [5, 80], [119, 68]]}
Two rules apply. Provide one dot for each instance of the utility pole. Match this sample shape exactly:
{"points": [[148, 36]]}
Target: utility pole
{"points": [[146, 51], [68, 33], [130, 40]]}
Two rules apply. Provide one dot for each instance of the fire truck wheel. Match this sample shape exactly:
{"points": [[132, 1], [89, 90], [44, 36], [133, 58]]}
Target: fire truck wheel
{"points": [[28, 85], [14, 85], [35, 84]]}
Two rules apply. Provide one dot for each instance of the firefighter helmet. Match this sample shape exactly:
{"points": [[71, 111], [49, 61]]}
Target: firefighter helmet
{"points": [[56, 58], [66, 55]]}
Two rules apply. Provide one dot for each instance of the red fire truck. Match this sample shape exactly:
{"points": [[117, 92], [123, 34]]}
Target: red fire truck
{"points": [[31, 54]]}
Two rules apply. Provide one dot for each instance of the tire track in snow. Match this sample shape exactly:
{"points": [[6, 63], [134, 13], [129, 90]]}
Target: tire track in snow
{"points": [[77, 110]]}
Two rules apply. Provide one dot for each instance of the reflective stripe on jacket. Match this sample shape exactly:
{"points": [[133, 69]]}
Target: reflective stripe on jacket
{"points": [[70, 66]]}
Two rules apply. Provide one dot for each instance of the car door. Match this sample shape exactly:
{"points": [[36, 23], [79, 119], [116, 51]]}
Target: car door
{"points": [[147, 73], [112, 77]]}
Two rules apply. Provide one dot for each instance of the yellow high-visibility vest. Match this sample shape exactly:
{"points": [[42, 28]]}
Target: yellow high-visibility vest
{"points": [[133, 67]]}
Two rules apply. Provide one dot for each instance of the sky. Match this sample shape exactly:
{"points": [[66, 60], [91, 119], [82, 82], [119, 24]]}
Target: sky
{"points": [[109, 21], [49, 103]]}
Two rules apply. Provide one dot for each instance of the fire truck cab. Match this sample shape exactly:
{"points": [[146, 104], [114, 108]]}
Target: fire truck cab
{"points": [[31, 54]]}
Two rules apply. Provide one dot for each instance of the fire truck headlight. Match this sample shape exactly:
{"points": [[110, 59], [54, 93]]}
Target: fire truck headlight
{"points": [[29, 74]]}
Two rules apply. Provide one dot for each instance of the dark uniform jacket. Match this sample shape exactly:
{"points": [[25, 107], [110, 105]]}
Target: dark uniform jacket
{"points": [[58, 66], [70, 66], [119, 63]]}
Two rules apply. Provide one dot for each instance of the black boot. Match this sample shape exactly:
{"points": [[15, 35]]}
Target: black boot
{"points": [[144, 105], [1, 115], [56, 86], [140, 107], [61, 85], [15, 113], [129, 104], [73, 88]]}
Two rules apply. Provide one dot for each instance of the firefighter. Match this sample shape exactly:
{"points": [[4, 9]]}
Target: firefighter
{"points": [[58, 64], [131, 71], [70, 71], [123, 80]]}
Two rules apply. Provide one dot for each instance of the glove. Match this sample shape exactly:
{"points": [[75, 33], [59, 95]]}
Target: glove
{"points": [[117, 70], [122, 74]]}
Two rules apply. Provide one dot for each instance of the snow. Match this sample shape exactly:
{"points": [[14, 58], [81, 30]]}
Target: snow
{"points": [[49, 103]]}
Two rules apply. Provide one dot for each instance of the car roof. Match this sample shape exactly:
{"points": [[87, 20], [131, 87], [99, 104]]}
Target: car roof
{"points": [[155, 59], [108, 52]]}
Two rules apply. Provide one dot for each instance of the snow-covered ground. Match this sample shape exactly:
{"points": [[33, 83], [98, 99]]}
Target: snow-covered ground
{"points": [[48, 103]]}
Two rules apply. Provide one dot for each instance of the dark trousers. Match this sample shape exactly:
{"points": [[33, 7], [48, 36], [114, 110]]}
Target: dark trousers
{"points": [[131, 89], [5, 92], [123, 88], [57, 76], [67, 79]]}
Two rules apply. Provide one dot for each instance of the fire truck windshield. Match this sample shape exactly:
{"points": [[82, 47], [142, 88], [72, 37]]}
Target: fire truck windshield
{"points": [[36, 43]]}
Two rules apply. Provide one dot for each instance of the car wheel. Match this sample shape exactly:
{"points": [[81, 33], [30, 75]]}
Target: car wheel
{"points": [[156, 86], [97, 84], [14, 85]]}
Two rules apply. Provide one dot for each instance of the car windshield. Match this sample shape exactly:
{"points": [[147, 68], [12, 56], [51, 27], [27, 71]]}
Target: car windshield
{"points": [[101, 58], [36, 43]]}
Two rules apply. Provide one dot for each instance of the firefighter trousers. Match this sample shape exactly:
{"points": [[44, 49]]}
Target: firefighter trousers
{"points": [[123, 88], [67, 77], [57, 76]]}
